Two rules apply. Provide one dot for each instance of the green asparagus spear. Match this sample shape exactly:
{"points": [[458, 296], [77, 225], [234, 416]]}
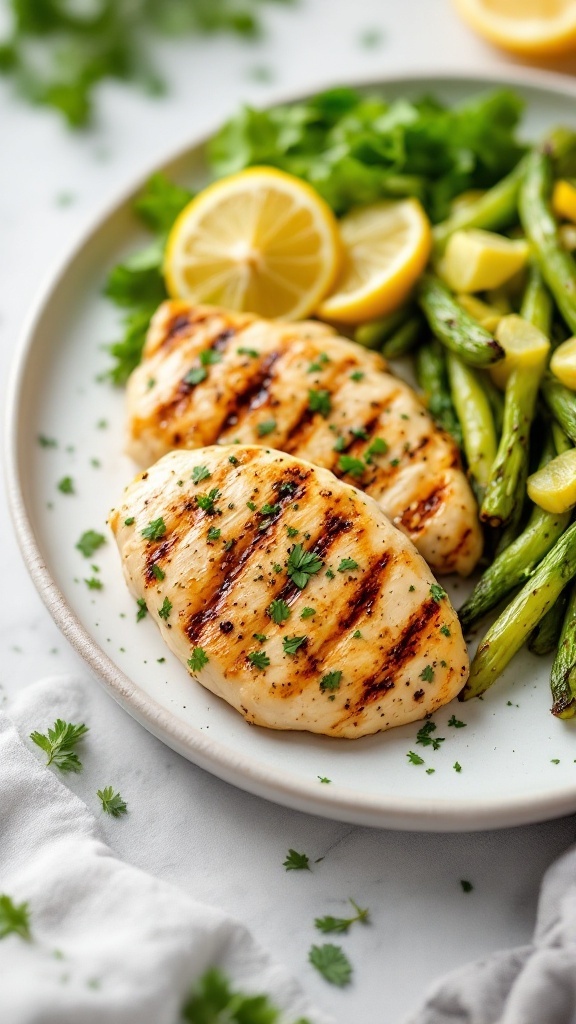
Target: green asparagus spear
{"points": [[475, 415], [562, 404], [557, 265], [495, 210], [545, 637], [375, 333], [458, 331], [515, 564], [517, 621], [432, 377], [563, 676], [404, 339]]}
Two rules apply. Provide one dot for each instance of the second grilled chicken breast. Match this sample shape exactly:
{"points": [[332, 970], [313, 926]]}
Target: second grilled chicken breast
{"points": [[288, 592], [209, 376]]}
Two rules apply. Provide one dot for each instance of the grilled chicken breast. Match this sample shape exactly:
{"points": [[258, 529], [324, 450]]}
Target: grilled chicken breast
{"points": [[210, 376], [288, 592]]}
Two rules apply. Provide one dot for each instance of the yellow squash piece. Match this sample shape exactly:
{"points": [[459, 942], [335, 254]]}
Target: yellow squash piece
{"points": [[260, 241], [525, 346], [387, 246], [476, 260], [487, 316], [563, 363], [531, 27], [553, 487], [564, 200]]}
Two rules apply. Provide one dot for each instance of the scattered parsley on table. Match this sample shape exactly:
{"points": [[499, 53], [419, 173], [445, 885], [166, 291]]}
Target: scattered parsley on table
{"points": [[296, 861], [331, 963], [89, 542], [14, 918], [342, 924], [59, 742], [112, 803]]}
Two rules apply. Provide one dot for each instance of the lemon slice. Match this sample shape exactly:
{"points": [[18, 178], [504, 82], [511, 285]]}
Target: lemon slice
{"points": [[386, 247], [564, 200], [260, 241], [477, 260], [563, 363], [531, 27], [553, 487], [524, 345]]}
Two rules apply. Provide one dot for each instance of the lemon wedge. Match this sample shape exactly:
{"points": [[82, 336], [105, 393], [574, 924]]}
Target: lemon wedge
{"points": [[564, 200], [260, 241], [477, 260], [386, 247], [553, 487], [563, 363], [524, 346], [530, 27]]}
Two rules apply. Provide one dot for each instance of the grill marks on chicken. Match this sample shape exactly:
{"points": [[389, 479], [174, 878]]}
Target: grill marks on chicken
{"points": [[377, 650], [209, 376]]}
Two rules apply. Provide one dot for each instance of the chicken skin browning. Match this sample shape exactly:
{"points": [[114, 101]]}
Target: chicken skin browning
{"points": [[210, 376], [288, 592]]}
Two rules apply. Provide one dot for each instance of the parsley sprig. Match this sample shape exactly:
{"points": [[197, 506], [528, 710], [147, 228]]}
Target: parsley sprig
{"points": [[302, 565], [296, 861], [342, 924], [332, 963], [112, 803], [426, 739], [59, 742], [14, 918], [213, 1001]]}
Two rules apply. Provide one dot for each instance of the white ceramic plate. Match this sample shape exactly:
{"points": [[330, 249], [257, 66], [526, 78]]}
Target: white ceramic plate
{"points": [[518, 763]]}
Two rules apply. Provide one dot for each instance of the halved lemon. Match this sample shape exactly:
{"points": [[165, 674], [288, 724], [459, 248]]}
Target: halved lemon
{"points": [[386, 247], [531, 27], [260, 241]]}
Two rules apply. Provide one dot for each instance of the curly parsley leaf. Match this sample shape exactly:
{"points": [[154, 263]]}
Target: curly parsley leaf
{"points": [[331, 681], [14, 918], [426, 739], [437, 592], [307, 613], [89, 542], [332, 963], [66, 485], [291, 644], [160, 202], [414, 758], [341, 924], [347, 564], [200, 473], [259, 659], [319, 401], [213, 1000], [456, 723], [164, 611], [354, 467], [142, 609], [296, 861], [198, 660], [377, 447], [59, 743], [112, 803], [206, 501], [302, 565], [155, 530], [278, 611]]}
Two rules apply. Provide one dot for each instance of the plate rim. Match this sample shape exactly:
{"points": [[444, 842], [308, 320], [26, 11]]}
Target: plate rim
{"points": [[243, 771]]}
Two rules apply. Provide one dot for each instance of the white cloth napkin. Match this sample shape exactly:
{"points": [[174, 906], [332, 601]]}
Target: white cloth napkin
{"points": [[109, 942]]}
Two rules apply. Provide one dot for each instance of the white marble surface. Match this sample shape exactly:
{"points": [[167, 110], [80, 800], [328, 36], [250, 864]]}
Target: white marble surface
{"points": [[214, 840]]}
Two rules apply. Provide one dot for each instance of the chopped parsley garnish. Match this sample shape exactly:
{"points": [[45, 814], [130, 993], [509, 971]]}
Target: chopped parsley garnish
{"points": [[291, 644], [261, 637], [457, 766], [198, 660], [356, 635], [319, 363], [14, 918], [376, 447], [424, 736], [196, 375], [347, 564], [341, 924], [142, 609], [213, 1001], [251, 505], [414, 758], [287, 487], [296, 861], [456, 723], [47, 442], [112, 803], [93, 583], [214, 533], [252, 352], [427, 674], [206, 501], [277, 567], [259, 659], [164, 611], [302, 565], [360, 433], [348, 464], [89, 542], [331, 681], [324, 779], [340, 444], [266, 427], [157, 572], [292, 531], [66, 485], [307, 612], [466, 886], [233, 460], [331, 963], [437, 592], [59, 742], [445, 631], [270, 510], [319, 401], [200, 473], [155, 529], [330, 574], [394, 462], [430, 771], [278, 611], [210, 356], [129, 521], [357, 375]]}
